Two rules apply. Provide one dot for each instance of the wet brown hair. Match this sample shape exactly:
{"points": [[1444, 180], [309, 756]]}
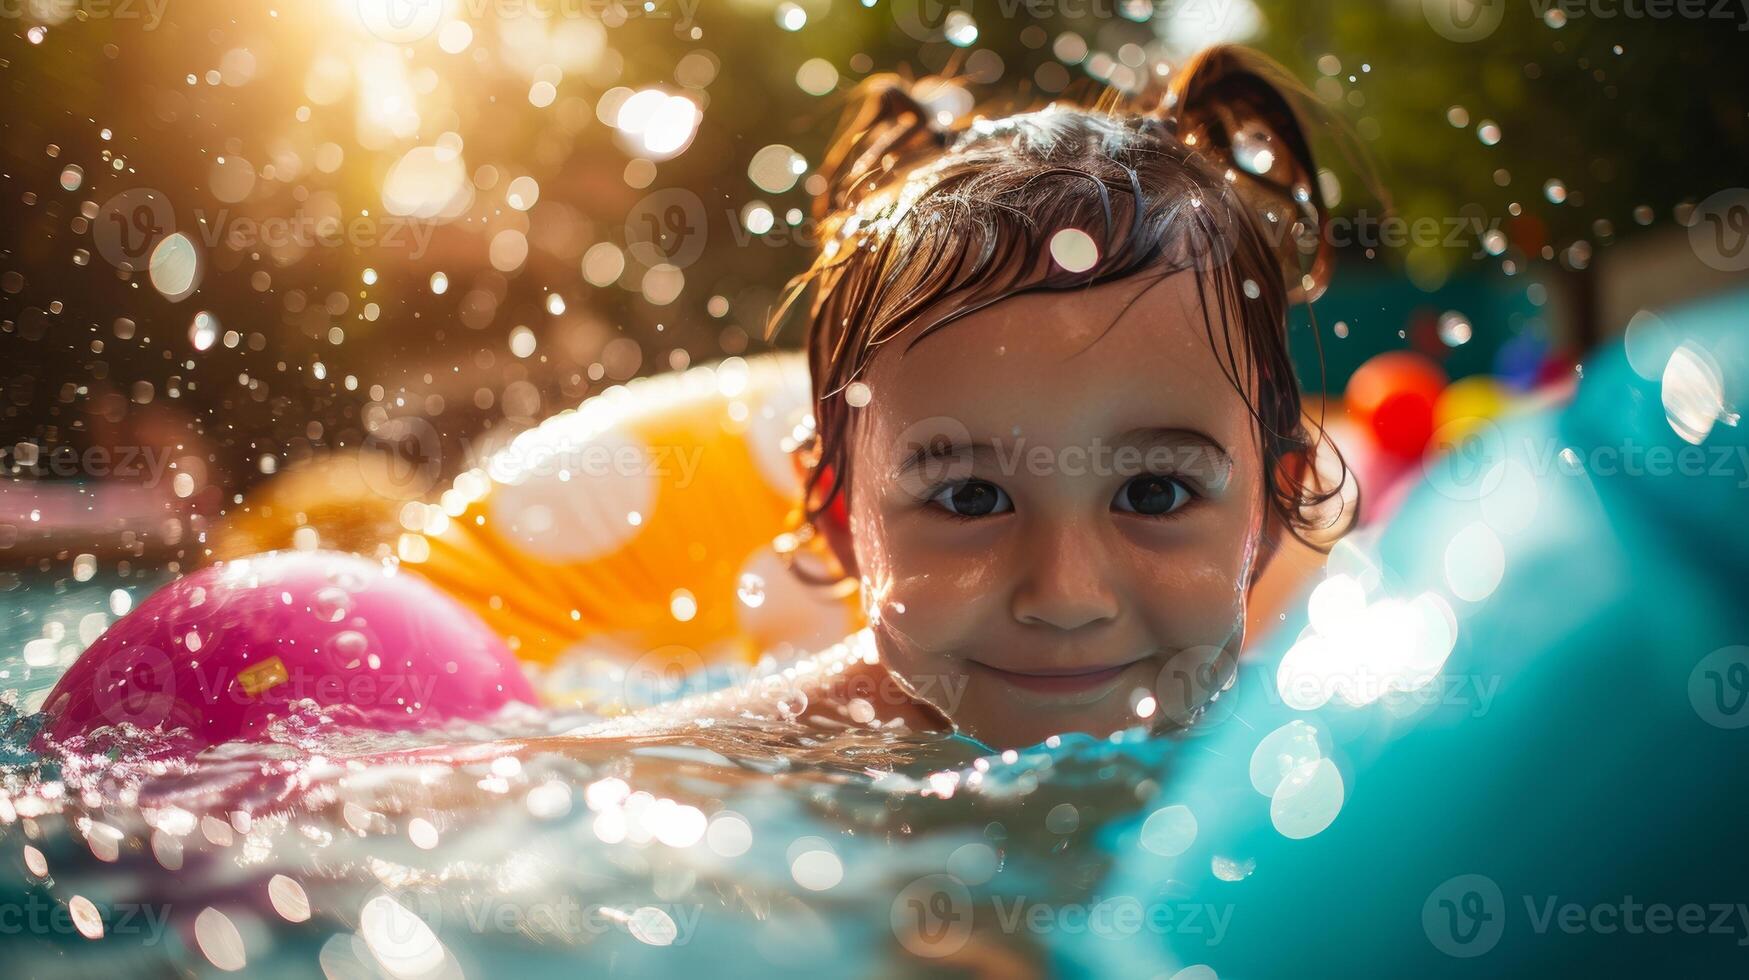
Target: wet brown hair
{"points": [[1214, 174]]}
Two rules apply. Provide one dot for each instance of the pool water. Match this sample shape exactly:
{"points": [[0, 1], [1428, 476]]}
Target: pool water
{"points": [[1527, 695]]}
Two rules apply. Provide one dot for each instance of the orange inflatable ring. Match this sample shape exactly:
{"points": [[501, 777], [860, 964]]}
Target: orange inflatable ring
{"points": [[641, 524]]}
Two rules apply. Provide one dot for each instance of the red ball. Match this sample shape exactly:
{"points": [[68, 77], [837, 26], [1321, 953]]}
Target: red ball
{"points": [[1392, 396]]}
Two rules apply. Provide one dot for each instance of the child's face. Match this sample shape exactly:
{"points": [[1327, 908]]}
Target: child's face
{"points": [[1072, 551]]}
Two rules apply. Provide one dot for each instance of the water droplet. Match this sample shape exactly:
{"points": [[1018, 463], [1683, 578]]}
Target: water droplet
{"points": [[1169, 831], [682, 605], [331, 604], [204, 330], [1454, 329], [1074, 250], [288, 899], [1063, 819], [751, 590], [84, 914], [1252, 152], [348, 648]]}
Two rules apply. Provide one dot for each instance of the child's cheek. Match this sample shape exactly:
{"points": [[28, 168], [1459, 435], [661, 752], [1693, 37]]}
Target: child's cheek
{"points": [[922, 587], [1194, 592]]}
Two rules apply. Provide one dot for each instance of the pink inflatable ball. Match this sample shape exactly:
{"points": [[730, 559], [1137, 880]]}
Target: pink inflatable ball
{"points": [[229, 650]]}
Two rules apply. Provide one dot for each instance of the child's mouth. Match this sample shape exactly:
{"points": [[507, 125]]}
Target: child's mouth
{"points": [[1059, 682]]}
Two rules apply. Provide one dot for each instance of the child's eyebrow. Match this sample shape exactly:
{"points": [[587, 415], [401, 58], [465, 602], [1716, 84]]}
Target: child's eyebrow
{"points": [[1194, 450], [942, 449], [1147, 437], [1210, 452]]}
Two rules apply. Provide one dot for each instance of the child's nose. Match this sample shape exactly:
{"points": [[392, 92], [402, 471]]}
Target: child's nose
{"points": [[1065, 582]]}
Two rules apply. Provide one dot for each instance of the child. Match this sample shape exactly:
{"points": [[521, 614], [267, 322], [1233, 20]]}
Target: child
{"points": [[1057, 429]]}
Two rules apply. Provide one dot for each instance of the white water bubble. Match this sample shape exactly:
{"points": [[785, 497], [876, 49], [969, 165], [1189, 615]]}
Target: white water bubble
{"points": [[1169, 831]]}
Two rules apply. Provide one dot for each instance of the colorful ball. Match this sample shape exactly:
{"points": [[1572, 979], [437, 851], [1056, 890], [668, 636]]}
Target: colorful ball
{"points": [[233, 648], [1464, 406], [1392, 396]]}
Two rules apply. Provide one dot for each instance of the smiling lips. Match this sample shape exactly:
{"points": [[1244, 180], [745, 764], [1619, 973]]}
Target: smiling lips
{"points": [[1070, 680]]}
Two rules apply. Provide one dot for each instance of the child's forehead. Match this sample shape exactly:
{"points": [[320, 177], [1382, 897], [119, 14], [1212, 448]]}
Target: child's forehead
{"points": [[1129, 353], [1151, 312]]}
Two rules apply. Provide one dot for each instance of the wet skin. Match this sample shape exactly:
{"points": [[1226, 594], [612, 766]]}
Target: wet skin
{"points": [[1055, 509]]}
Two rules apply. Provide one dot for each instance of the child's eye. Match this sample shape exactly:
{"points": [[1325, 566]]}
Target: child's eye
{"points": [[973, 498], [1151, 495]]}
